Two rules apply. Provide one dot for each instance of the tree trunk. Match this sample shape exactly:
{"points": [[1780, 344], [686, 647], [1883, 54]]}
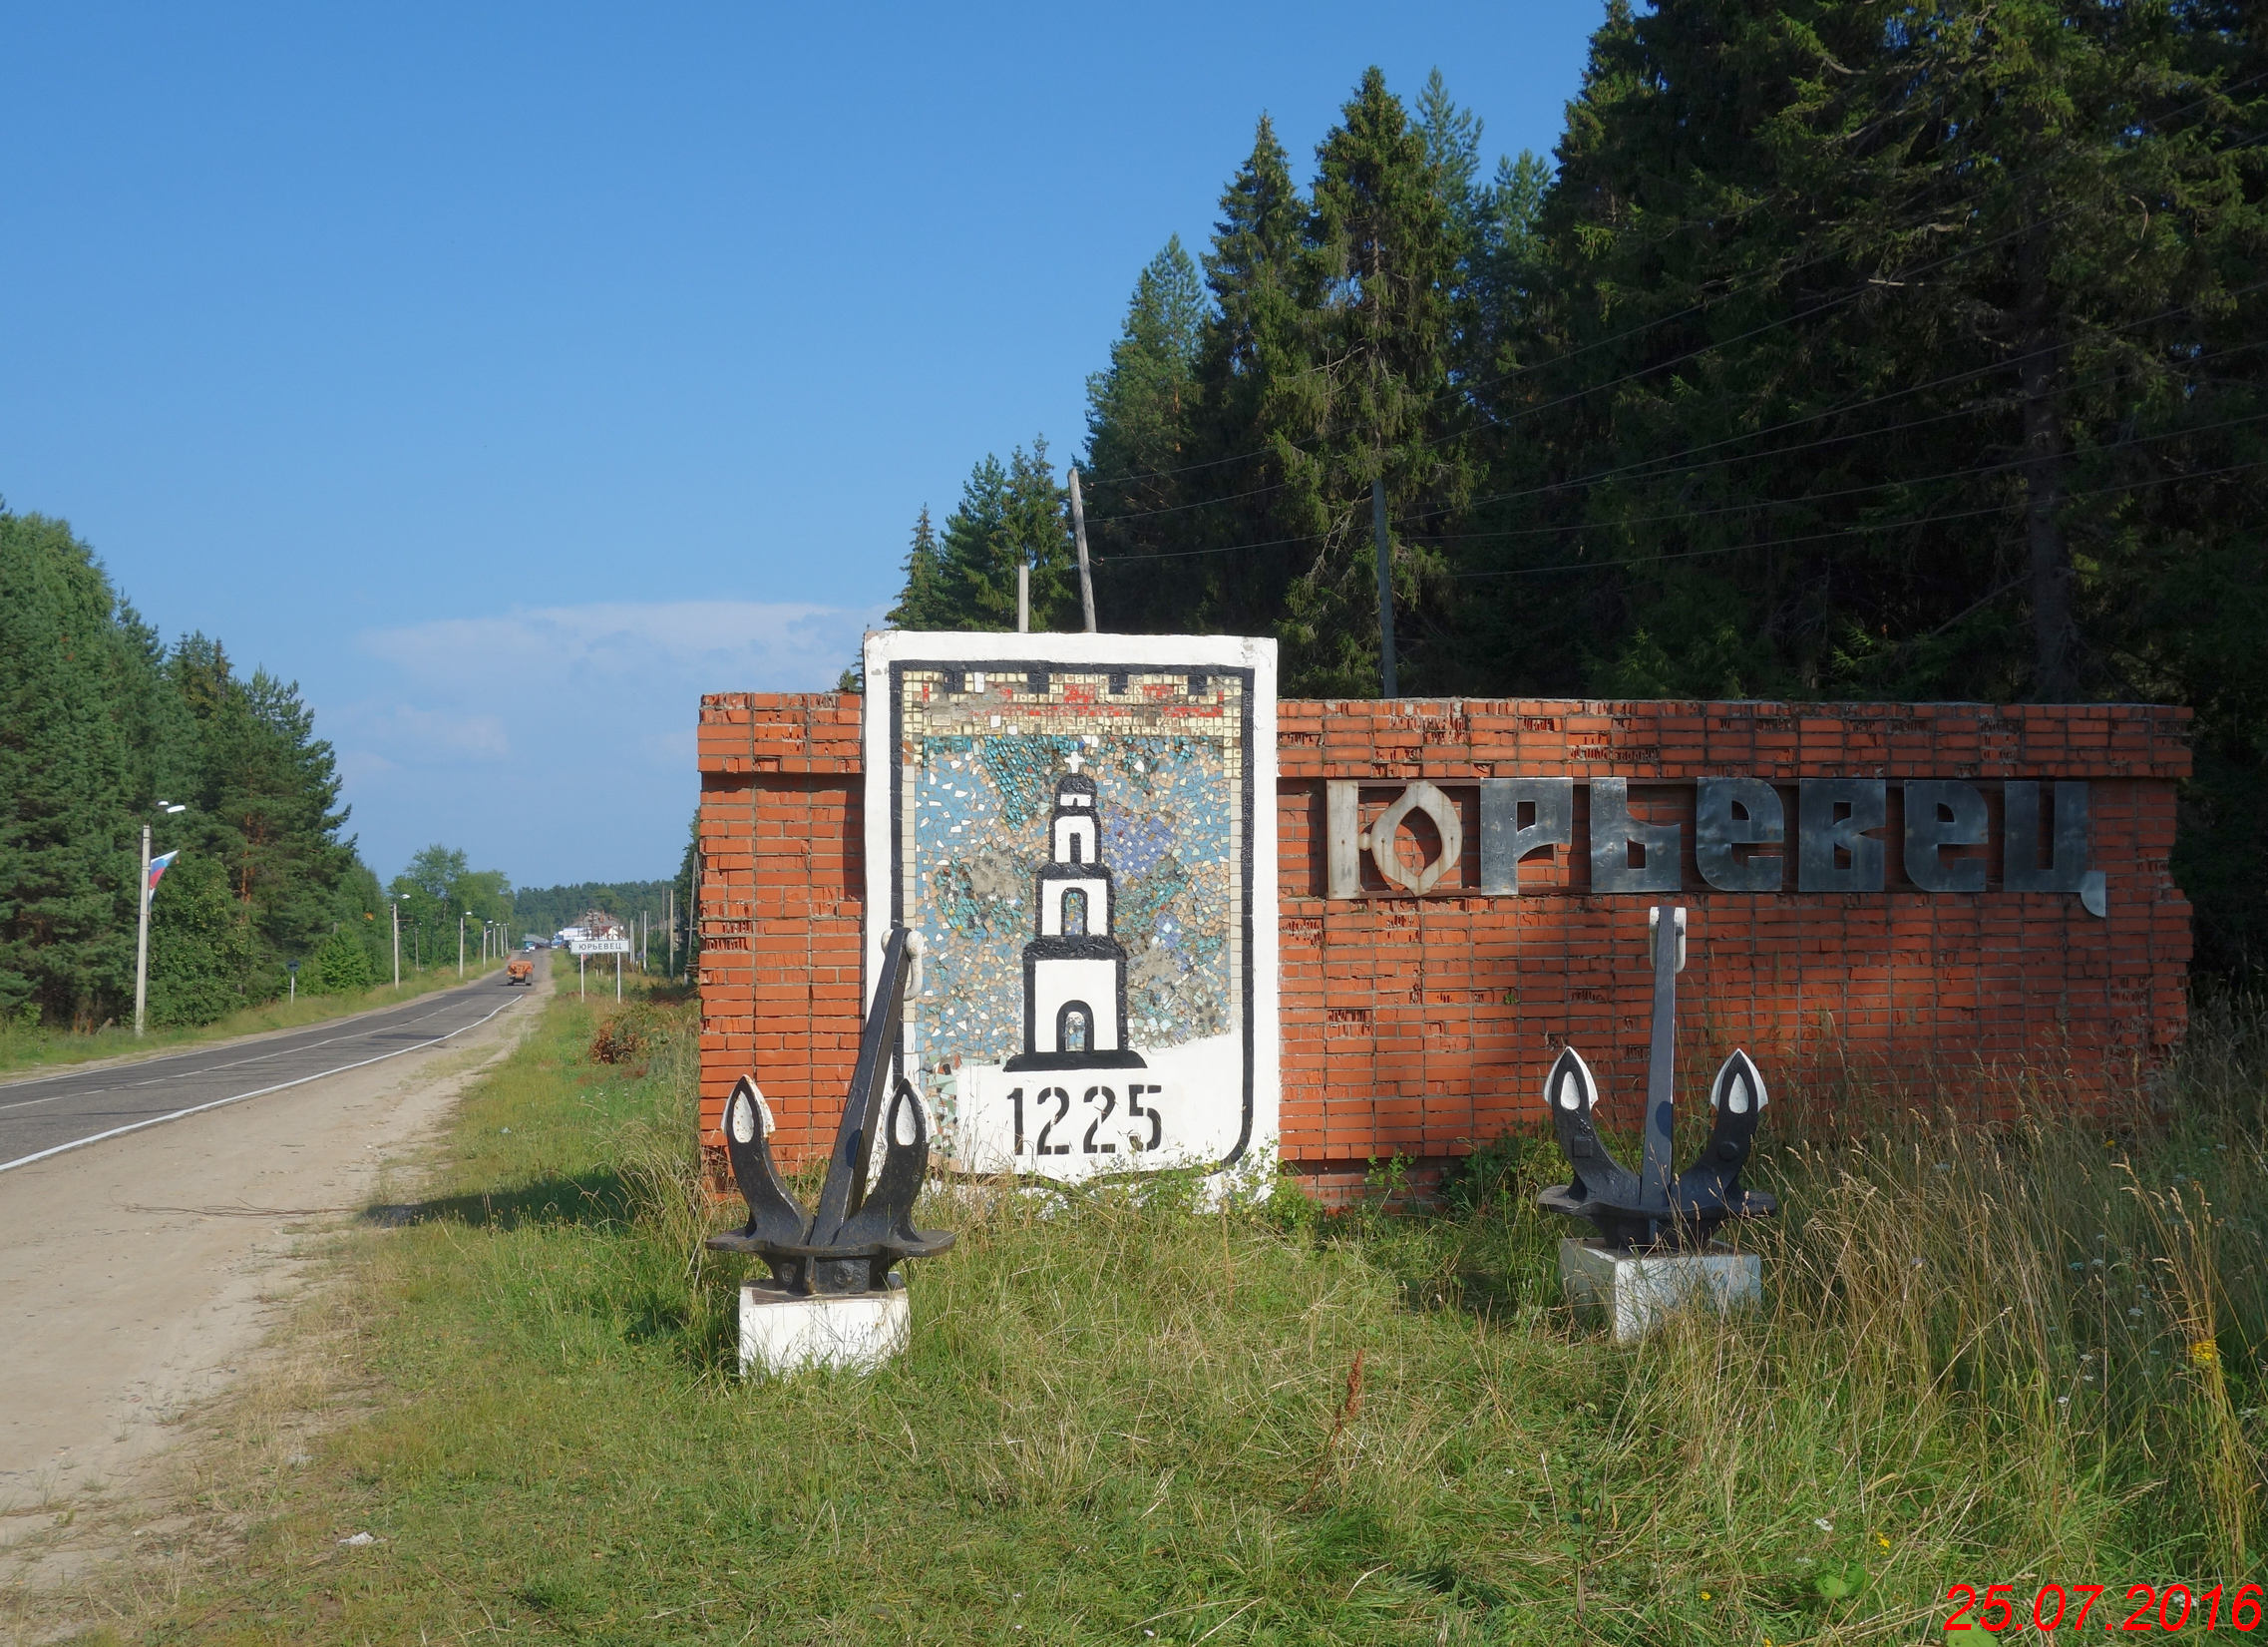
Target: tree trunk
{"points": [[2054, 641]]}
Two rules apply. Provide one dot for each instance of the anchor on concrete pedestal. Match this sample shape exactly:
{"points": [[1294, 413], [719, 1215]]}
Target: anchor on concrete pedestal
{"points": [[834, 1298], [1652, 1209]]}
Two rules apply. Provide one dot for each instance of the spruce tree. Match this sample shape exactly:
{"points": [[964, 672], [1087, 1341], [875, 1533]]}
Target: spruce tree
{"points": [[68, 834], [1382, 255], [1009, 514], [200, 946], [98, 724], [1232, 555], [1141, 412], [342, 964], [266, 807], [921, 601]]}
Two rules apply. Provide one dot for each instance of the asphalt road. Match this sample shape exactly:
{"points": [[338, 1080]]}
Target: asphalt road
{"points": [[48, 1114]]}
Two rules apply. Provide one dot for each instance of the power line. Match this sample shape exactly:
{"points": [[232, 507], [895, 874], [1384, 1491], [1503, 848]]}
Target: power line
{"points": [[1857, 530], [1976, 472], [1826, 306], [1747, 457], [1641, 464], [1469, 387]]}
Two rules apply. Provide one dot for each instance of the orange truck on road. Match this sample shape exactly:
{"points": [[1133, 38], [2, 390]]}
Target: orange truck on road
{"points": [[520, 969]]}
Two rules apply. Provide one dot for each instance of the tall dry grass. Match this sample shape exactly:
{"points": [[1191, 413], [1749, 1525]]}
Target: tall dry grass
{"points": [[2022, 1355]]}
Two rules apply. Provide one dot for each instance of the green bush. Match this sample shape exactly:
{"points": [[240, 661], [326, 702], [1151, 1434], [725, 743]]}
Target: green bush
{"points": [[342, 964], [199, 946]]}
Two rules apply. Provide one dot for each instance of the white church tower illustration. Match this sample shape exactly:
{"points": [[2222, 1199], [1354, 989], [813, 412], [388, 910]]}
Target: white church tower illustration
{"points": [[1074, 971]]}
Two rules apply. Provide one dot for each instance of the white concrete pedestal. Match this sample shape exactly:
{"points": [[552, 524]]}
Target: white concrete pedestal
{"points": [[782, 1333], [1637, 1292]]}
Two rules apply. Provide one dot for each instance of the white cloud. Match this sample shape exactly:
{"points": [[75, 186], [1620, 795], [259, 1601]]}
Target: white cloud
{"points": [[556, 742], [426, 733], [733, 645]]}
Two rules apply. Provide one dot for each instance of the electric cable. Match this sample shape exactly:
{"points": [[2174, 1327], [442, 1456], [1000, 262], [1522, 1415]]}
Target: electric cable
{"points": [[1467, 388]]}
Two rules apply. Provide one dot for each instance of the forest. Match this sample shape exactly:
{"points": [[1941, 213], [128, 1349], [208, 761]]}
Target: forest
{"points": [[1842, 350], [103, 727]]}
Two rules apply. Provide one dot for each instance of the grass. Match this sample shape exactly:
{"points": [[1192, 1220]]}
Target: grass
{"points": [[40, 1047], [2025, 1356]]}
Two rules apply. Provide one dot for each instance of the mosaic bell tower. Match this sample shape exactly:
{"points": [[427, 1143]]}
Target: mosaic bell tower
{"points": [[1074, 971]]}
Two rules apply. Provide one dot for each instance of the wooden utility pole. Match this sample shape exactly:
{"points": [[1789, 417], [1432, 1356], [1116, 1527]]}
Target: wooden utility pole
{"points": [[1385, 588], [1079, 534]]}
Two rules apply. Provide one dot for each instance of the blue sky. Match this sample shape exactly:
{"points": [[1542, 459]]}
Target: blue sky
{"points": [[511, 376]]}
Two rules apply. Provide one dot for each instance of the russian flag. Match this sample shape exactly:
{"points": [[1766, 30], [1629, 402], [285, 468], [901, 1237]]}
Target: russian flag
{"points": [[157, 868]]}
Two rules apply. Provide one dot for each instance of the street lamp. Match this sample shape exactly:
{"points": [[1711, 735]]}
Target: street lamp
{"points": [[394, 903], [141, 926]]}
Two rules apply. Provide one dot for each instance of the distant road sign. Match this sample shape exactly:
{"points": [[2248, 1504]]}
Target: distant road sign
{"points": [[598, 945]]}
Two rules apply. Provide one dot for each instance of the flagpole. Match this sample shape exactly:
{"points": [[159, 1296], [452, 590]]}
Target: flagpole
{"points": [[141, 939]]}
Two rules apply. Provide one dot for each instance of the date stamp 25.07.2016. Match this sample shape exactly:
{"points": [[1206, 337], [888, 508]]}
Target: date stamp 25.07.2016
{"points": [[2168, 1607]]}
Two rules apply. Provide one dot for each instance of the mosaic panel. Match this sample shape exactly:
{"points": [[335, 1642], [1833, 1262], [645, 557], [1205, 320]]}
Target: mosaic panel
{"points": [[1074, 841]]}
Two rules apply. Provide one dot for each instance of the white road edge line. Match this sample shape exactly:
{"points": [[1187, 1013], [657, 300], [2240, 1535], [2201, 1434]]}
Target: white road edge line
{"points": [[199, 1110], [256, 1057], [202, 1069]]}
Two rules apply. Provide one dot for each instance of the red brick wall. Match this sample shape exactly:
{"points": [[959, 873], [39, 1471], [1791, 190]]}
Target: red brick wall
{"points": [[1421, 1025]]}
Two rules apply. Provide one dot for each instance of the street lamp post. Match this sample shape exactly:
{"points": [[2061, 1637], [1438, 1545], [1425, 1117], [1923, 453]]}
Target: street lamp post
{"points": [[395, 904], [460, 944], [142, 927]]}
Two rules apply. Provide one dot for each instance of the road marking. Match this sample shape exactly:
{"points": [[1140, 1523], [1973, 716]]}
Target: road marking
{"points": [[210, 1068], [201, 1108], [256, 1057]]}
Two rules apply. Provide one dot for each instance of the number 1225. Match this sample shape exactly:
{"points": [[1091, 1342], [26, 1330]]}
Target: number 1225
{"points": [[1061, 1099]]}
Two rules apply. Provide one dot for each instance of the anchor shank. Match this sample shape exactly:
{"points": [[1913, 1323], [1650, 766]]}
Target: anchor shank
{"points": [[1655, 1174], [847, 1167]]}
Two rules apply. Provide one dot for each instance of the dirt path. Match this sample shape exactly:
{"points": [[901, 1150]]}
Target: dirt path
{"points": [[142, 1272]]}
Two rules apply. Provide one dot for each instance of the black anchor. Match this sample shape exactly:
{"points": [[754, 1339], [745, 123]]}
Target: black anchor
{"points": [[850, 1242], [1648, 1208]]}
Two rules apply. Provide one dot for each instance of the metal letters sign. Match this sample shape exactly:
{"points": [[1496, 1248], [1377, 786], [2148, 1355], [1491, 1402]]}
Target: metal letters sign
{"points": [[598, 945], [1838, 840], [1081, 828]]}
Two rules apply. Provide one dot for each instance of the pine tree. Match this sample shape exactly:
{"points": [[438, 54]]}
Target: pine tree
{"points": [[1009, 514], [1139, 409], [68, 845], [266, 807], [98, 724], [200, 946], [1382, 255], [1140, 415], [358, 908], [342, 964], [1232, 556], [1840, 313], [921, 601]]}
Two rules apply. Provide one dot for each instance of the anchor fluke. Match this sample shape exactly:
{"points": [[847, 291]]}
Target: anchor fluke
{"points": [[1642, 1209], [850, 1241]]}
